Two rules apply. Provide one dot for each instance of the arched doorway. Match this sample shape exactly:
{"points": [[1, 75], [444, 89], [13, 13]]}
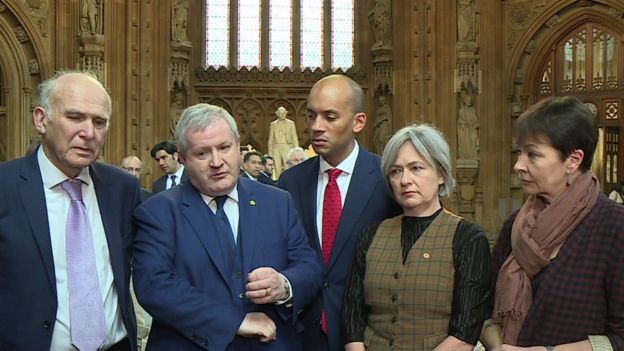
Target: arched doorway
{"points": [[23, 61], [587, 61]]}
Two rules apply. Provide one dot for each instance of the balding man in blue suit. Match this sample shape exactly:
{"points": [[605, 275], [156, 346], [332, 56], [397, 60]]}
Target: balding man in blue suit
{"points": [[335, 116], [221, 262]]}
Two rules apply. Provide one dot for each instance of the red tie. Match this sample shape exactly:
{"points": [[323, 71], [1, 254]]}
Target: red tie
{"points": [[332, 209]]}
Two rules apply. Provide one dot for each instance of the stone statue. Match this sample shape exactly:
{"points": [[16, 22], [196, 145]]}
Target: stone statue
{"points": [[379, 17], [383, 125], [177, 106], [468, 130], [467, 25], [179, 18], [91, 16], [282, 137]]}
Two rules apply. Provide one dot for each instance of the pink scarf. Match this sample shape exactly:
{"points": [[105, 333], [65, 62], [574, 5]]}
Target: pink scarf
{"points": [[537, 234]]}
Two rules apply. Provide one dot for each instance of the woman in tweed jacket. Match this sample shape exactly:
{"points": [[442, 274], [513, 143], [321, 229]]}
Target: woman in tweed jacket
{"points": [[419, 281], [558, 261]]}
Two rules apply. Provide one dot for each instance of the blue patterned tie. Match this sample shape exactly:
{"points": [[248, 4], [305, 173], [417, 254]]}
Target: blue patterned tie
{"points": [[86, 309], [223, 220], [173, 181]]}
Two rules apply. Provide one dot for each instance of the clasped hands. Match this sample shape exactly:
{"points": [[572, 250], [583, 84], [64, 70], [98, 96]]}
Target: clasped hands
{"points": [[264, 285]]}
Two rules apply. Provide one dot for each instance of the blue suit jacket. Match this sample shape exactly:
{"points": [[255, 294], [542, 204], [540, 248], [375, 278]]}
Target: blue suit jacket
{"points": [[183, 279], [159, 184], [367, 201], [28, 300]]}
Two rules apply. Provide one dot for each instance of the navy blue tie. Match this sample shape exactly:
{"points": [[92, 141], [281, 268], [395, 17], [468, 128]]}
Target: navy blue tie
{"points": [[223, 220]]}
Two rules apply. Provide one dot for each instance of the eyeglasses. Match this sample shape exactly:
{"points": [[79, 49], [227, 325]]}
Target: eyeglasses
{"points": [[133, 170]]}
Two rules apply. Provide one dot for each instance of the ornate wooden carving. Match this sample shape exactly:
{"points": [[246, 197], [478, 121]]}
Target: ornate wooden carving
{"points": [[468, 87], [286, 76], [92, 54]]}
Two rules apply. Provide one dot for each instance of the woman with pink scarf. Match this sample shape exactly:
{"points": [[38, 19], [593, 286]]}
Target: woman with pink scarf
{"points": [[559, 260]]}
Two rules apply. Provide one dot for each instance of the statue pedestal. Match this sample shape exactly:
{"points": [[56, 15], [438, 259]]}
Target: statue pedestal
{"points": [[91, 44], [91, 52], [467, 176]]}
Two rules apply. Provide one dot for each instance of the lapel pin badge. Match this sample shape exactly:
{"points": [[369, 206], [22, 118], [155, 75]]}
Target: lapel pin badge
{"points": [[252, 202], [426, 255]]}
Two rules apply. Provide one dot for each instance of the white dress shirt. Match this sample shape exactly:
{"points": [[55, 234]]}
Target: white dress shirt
{"points": [[343, 180], [230, 207], [178, 178], [57, 203]]}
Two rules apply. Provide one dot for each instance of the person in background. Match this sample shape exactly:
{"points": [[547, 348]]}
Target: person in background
{"points": [[166, 154], [222, 262], [337, 194], [266, 175], [134, 166], [295, 156], [419, 281], [558, 262], [66, 229], [252, 165]]}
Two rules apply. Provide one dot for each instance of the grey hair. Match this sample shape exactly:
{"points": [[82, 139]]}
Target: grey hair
{"points": [[430, 144], [47, 87], [357, 100], [198, 117], [292, 151]]}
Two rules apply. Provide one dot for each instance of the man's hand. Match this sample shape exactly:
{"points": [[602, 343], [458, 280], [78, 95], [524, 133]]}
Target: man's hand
{"points": [[257, 324], [265, 285]]}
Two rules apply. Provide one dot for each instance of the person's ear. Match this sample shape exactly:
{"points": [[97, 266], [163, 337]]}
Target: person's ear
{"points": [[359, 122], [574, 160], [40, 120], [179, 156], [175, 155]]}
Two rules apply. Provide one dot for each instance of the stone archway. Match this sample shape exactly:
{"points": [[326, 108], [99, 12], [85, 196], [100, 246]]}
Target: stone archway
{"points": [[532, 27], [23, 61]]}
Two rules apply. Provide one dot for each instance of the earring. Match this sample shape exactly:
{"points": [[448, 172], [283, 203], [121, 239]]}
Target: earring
{"points": [[569, 178]]}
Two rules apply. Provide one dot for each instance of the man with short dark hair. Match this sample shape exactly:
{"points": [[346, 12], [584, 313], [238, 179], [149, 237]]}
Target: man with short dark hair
{"points": [[337, 194], [166, 154], [266, 173], [66, 229], [252, 165]]}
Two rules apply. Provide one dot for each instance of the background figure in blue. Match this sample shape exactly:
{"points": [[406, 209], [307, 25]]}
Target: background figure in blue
{"points": [[206, 288], [335, 116], [37, 265]]}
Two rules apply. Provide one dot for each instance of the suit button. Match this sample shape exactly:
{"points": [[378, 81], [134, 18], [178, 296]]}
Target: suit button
{"points": [[241, 296], [237, 275], [394, 298], [391, 342], [394, 319], [396, 275], [47, 324], [325, 285]]}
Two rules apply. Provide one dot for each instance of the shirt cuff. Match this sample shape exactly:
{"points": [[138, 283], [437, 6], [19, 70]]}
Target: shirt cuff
{"points": [[600, 343], [290, 292]]}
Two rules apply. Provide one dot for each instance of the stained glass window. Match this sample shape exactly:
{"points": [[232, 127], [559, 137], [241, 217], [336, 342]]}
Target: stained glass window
{"points": [[280, 37], [217, 32], [311, 33], [265, 30], [248, 33], [342, 34]]}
